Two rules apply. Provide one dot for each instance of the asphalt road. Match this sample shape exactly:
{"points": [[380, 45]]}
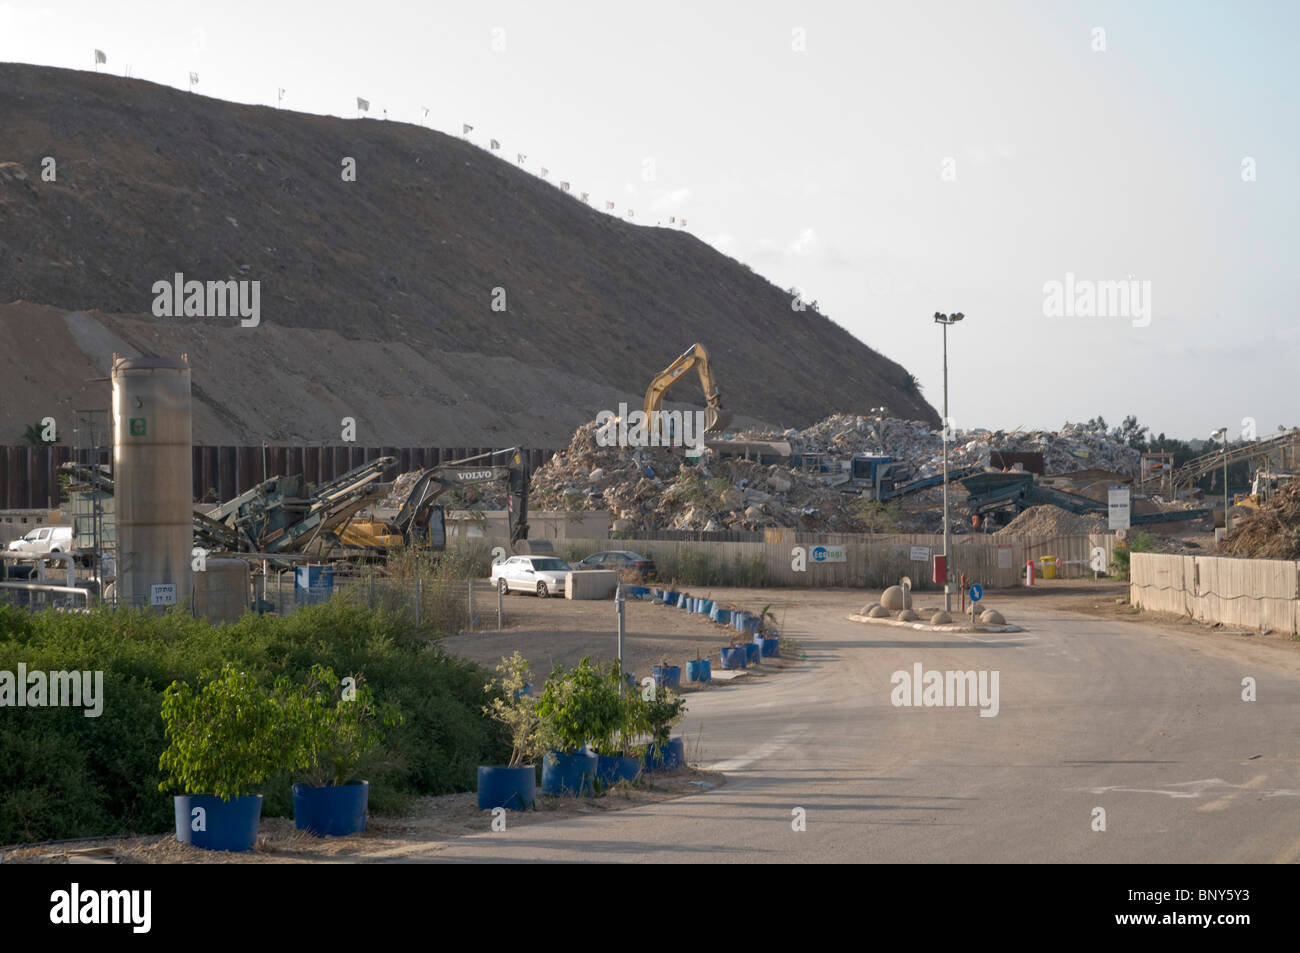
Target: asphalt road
{"points": [[1145, 723]]}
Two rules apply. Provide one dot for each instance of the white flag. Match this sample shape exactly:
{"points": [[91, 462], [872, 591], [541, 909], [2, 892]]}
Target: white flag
{"points": [[520, 157], [494, 144], [672, 219], [363, 104], [584, 196], [194, 78], [630, 213], [609, 205], [466, 128], [100, 57], [683, 223], [564, 186], [543, 172]]}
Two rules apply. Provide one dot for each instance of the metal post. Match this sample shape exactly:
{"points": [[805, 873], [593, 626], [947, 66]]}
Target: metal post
{"points": [[501, 609], [947, 529], [620, 604], [1225, 481], [470, 605]]}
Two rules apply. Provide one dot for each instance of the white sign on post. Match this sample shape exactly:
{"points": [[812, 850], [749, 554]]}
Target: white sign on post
{"points": [[162, 594], [1004, 557], [1119, 508], [920, 554]]}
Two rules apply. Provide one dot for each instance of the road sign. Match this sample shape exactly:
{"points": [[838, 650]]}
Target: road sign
{"points": [[162, 594], [920, 554], [976, 592]]}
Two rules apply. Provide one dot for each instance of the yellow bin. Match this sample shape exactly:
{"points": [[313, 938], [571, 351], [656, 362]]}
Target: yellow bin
{"points": [[1049, 567]]}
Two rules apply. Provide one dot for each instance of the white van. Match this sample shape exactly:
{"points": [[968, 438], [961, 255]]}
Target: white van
{"points": [[45, 539]]}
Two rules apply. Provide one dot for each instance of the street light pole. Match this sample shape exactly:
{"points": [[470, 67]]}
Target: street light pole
{"points": [[1223, 432], [946, 320]]}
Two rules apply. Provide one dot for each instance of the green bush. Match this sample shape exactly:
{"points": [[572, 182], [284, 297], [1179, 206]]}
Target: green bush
{"points": [[65, 775]]}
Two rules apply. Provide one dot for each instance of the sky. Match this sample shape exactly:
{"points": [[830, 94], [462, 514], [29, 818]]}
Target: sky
{"points": [[889, 160]]}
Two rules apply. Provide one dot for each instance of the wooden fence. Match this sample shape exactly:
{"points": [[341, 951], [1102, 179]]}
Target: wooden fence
{"points": [[1252, 593], [996, 562]]}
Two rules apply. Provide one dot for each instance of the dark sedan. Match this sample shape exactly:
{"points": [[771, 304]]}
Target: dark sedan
{"points": [[621, 562]]}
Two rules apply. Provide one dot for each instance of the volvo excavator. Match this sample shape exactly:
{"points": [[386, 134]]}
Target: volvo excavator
{"points": [[698, 358], [419, 521]]}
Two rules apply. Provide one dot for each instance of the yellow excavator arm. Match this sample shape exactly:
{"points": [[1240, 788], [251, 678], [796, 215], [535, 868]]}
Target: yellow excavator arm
{"points": [[695, 357]]}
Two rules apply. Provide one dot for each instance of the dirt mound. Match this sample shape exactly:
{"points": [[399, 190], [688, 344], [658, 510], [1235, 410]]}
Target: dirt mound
{"points": [[380, 291], [1271, 532], [1048, 520]]}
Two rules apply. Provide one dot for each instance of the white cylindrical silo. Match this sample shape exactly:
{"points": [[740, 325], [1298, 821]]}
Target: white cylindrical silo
{"points": [[152, 439]]}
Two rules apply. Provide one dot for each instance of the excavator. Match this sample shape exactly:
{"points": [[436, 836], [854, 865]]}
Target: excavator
{"points": [[695, 357], [419, 522]]}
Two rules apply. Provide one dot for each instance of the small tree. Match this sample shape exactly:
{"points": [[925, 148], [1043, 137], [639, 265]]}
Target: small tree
{"points": [[229, 737], [579, 706], [663, 714], [516, 712], [877, 517], [339, 721]]}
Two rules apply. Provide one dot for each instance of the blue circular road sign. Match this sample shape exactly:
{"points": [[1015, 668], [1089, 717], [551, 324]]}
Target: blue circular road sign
{"points": [[976, 592]]}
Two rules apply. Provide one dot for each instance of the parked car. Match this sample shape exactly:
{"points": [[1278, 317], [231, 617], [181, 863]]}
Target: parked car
{"points": [[45, 539], [544, 575], [621, 562]]}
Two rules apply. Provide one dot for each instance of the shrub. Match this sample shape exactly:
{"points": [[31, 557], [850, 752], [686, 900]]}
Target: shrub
{"points": [[579, 706]]}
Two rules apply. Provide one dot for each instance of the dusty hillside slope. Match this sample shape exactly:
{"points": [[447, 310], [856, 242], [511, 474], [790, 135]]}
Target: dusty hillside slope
{"points": [[376, 294]]}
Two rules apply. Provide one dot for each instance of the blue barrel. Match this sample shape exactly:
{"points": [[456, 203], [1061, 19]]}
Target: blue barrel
{"points": [[331, 811], [739, 620], [752, 653], [568, 775], [512, 788], [667, 676], [526, 690], [733, 658], [752, 623], [611, 770], [705, 606], [721, 615], [670, 598], [226, 825], [770, 648], [697, 670], [684, 602], [669, 757]]}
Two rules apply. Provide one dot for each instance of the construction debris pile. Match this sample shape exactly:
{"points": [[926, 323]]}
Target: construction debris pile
{"points": [[1047, 520], [1073, 447], [656, 488], [1270, 532]]}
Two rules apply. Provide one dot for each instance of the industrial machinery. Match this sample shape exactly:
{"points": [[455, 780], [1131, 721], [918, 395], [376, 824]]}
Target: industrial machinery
{"points": [[419, 521], [877, 476], [990, 491], [698, 358]]}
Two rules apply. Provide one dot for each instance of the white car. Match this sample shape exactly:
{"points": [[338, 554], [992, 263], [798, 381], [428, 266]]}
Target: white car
{"points": [[544, 575], [45, 539]]}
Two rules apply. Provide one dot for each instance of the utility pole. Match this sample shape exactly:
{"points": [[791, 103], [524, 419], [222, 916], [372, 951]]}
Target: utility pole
{"points": [[946, 320]]}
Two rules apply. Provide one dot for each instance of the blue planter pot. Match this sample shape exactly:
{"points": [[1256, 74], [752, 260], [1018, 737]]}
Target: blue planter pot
{"points": [[638, 592], [733, 658], [668, 758], [512, 788], [226, 825], [670, 598], [738, 620], [568, 775], [611, 770], [705, 606], [721, 615], [752, 653], [684, 602], [768, 648], [698, 670], [752, 623], [667, 676], [331, 811]]}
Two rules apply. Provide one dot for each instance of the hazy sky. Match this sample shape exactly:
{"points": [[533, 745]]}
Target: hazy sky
{"points": [[890, 159]]}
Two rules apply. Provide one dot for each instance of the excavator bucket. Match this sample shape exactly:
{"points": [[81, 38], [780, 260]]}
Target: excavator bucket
{"points": [[716, 421]]}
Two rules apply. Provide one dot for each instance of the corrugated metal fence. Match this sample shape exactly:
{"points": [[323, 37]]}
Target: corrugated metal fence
{"points": [[1254, 593], [29, 475]]}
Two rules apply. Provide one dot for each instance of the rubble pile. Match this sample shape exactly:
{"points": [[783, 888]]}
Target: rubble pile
{"points": [[658, 488], [1270, 532], [1073, 447]]}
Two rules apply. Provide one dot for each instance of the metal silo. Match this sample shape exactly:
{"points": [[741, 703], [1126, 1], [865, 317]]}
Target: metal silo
{"points": [[152, 472]]}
